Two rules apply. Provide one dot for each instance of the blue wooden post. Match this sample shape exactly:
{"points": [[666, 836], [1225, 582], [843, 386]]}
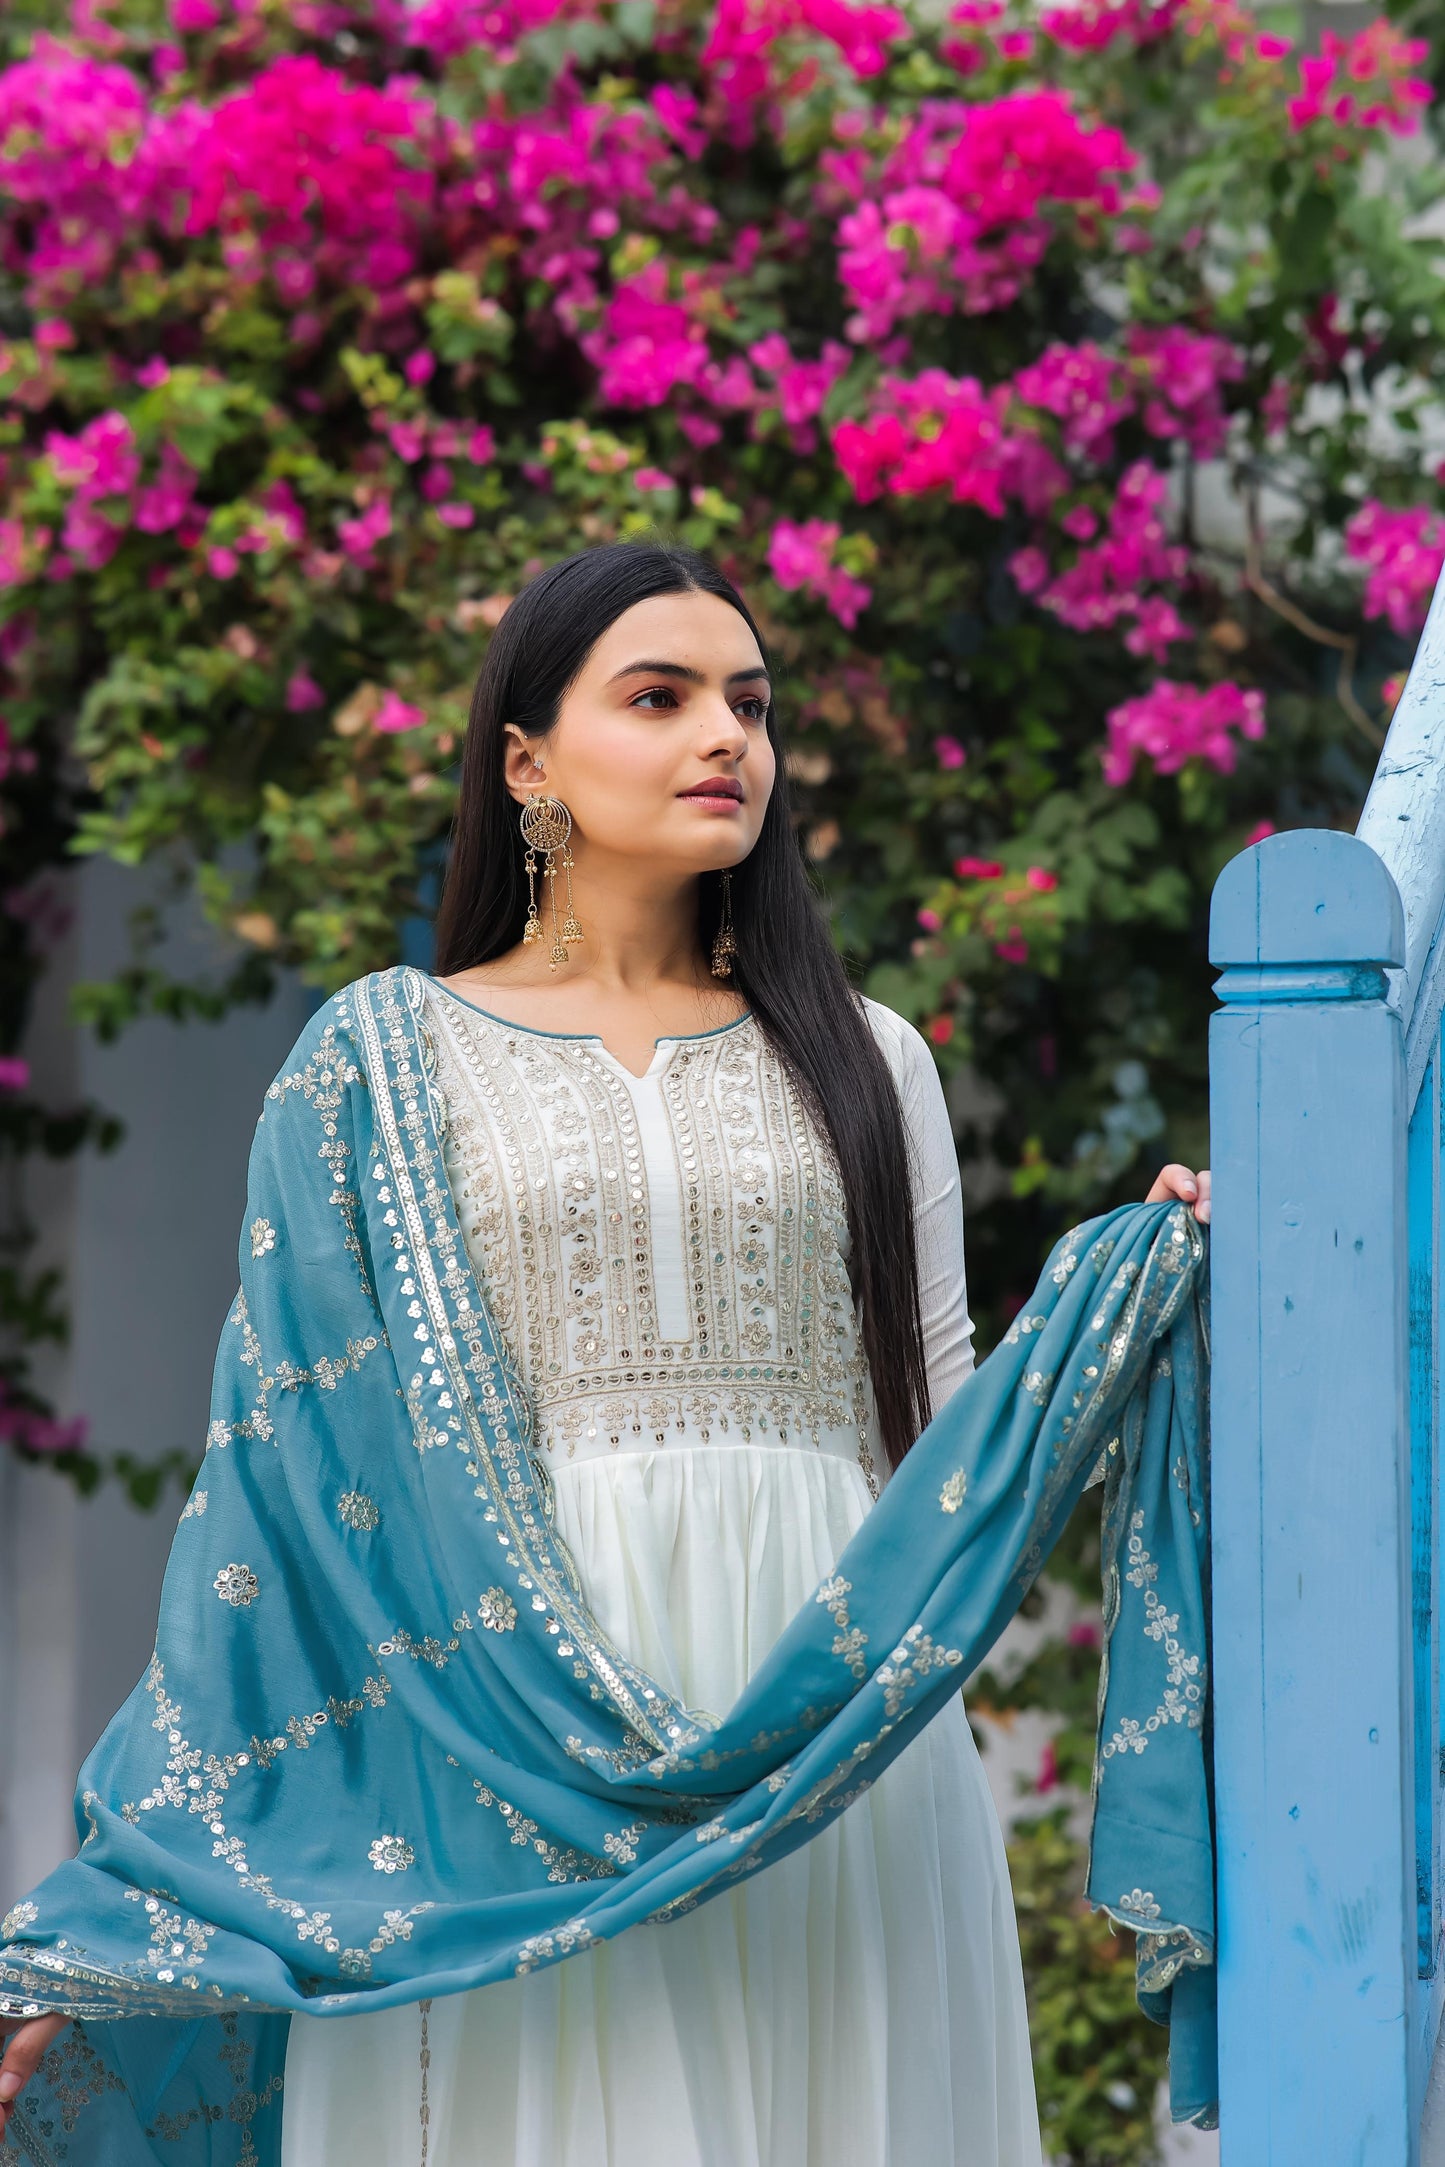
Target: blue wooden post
{"points": [[1314, 1658]]}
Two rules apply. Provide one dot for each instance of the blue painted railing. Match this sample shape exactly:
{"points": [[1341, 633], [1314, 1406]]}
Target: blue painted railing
{"points": [[1325, 1064]]}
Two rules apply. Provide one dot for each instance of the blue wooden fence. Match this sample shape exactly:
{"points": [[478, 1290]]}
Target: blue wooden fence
{"points": [[1325, 1064]]}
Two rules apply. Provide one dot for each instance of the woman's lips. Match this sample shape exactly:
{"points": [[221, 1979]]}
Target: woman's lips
{"points": [[723, 798]]}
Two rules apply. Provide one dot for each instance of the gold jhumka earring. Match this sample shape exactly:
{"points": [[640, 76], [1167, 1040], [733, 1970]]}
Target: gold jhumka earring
{"points": [[546, 825], [725, 946]]}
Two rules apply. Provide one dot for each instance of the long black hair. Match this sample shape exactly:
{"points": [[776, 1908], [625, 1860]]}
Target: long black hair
{"points": [[786, 966]]}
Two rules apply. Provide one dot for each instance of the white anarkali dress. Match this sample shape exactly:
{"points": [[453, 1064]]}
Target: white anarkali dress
{"points": [[666, 1259]]}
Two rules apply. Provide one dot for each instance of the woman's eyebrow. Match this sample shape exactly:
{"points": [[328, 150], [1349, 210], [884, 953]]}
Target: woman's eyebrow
{"points": [[685, 671]]}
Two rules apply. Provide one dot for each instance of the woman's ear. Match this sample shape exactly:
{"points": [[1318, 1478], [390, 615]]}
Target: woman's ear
{"points": [[524, 774]]}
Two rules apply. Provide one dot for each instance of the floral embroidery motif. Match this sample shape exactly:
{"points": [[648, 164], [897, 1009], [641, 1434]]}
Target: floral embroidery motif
{"points": [[173, 1938], [562, 1941], [16, 1921], [916, 1655], [391, 1855], [194, 1506], [850, 1641], [326, 1372], [1139, 1904], [496, 1611], [1182, 1700], [236, 1585], [358, 1510], [263, 1237], [952, 1495]]}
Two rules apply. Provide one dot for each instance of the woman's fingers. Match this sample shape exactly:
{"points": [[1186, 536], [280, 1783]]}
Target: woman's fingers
{"points": [[28, 2041], [1182, 1182]]}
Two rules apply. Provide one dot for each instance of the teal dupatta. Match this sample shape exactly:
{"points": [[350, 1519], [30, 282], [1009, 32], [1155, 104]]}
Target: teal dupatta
{"points": [[383, 1751]]}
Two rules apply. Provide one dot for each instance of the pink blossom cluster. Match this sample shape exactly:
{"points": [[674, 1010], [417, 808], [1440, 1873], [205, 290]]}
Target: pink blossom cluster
{"points": [[971, 35], [799, 387], [82, 154], [301, 171], [1088, 26], [1169, 376], [1108, 581], [560, 184], [1175, 723], [301, 156], [446, 28], [802, 556], [1405, 551], [1364, 81], [99, 468], [741, 63], [962, 209], [932, 431]]}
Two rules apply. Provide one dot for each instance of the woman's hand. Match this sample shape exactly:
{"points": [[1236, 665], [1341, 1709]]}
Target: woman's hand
{"points": [[28, 2039], [1189, 1188]]}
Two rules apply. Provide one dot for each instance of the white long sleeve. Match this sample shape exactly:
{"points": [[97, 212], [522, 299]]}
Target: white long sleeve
{"points": [[937, 1203]]}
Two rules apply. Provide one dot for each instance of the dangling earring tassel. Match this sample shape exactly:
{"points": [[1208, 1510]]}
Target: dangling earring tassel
{"points": [[546, 825], [725, 946], [571, 931]]}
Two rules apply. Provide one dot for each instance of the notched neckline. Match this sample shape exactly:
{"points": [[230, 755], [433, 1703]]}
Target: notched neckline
{"points": [[592, 1038]]}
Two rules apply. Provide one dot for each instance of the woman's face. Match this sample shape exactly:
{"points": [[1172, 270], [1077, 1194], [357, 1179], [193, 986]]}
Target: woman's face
{"points": [[673, 694]]}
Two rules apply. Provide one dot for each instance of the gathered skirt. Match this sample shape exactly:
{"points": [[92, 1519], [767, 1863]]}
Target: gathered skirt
{"points": [[858, 2004]]}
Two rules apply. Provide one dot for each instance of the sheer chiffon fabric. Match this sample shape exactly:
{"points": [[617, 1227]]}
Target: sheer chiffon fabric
{"points": [[858, 2004]]}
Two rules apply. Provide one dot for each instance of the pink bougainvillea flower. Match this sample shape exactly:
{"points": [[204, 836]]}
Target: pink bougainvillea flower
{"points": [[407, 439], [303, 692], [933, 432], [1405, 551], [1259, 831], [802, 557], [14, 1072], [963, 206], [948, 752], [1013, 949], [1041, 880], [102, 461], [1174, 723], [1088, 26], [359, 536], [1030, 569], [456, 514], [652, 478], [1379, 56], [394, 715], [222, 563], [165, 503], [481, 446], [977, 869], [929, 920]]}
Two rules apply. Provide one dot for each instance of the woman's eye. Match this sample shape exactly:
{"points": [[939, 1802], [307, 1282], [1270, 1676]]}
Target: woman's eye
{"points": [[756, 710], [656, 692]]}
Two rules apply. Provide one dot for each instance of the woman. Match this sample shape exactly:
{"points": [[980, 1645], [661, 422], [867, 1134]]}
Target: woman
{"points": [[644, 1094]]}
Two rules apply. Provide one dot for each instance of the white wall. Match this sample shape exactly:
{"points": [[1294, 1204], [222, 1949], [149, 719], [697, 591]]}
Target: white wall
{"points": [[147, 1237]]}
